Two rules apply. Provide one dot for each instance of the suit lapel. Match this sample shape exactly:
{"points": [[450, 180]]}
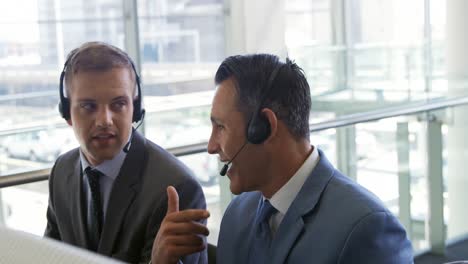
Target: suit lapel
{"points": [[78, 202], [123, 193], [292, 224], [252, 233]]}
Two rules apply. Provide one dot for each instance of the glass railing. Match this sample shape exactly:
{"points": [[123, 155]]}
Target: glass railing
{"points": [[411, 157]]}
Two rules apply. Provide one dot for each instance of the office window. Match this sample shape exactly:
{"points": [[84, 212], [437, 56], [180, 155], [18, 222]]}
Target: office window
{"points": [[181, 44]]}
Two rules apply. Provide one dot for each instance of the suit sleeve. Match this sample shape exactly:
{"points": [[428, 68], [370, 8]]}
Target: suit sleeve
{"points": [[377, 238], [51, 230], [190, 197]]}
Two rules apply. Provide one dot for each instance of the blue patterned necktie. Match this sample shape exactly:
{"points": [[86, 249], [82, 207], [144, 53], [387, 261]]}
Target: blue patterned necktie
{"points": [[95, 227], [262, 236]]}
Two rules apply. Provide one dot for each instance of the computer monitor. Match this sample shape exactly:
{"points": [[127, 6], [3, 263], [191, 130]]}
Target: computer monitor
{"points": [[18, 247]]}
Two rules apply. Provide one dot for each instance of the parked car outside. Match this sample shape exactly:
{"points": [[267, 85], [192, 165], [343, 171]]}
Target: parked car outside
{"points": [[41, 145]]}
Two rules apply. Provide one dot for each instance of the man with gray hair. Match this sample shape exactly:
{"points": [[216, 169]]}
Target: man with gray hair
{"points": [[292, 206]]}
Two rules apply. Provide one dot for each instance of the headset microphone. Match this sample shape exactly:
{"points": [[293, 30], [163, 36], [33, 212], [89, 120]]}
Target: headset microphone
{"points": [[126, 148], [226, 166]]}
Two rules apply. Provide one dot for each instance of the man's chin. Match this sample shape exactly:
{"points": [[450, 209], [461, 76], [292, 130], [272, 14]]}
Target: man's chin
{"points": [[101, 156], [108, 155], [235, 192], [236, 189]]}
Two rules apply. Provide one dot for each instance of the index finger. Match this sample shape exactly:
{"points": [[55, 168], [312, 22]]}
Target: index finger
{"points": [[189, 215]]}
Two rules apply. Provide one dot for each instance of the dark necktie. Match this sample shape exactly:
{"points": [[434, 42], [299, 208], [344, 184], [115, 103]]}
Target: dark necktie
{"points": [[262, 234], [95, 227]]}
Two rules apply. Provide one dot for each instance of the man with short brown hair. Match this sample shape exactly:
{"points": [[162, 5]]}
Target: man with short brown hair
{"points": [[109, 195]]}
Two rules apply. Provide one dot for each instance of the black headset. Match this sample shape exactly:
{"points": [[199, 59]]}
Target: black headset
{"points": [[64, 105], [258, 127]]}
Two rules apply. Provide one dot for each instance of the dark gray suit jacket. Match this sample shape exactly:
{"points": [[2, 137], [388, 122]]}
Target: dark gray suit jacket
{"points": [[137, 203], [332, 220]]}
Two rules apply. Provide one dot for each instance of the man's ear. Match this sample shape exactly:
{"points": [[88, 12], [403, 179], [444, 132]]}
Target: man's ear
{"points": [[69, 122], [270, 116]]}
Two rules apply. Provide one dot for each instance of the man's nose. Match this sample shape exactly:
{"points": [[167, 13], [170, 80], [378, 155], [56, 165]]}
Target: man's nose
{"points": [[104, 117], [213, 146]]}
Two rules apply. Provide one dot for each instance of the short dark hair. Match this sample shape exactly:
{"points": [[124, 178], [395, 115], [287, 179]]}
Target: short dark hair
{"points": [[96, 56], [289, 94]]}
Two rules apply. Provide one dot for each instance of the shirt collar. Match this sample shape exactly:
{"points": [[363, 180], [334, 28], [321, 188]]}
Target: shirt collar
{"points": [[284, 197], [109, 168]]}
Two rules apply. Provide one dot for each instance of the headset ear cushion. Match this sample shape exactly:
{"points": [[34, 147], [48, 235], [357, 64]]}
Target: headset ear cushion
{"points": [[60, 108], [64, 108], [64, 104], [258, 129], [136, 110]]}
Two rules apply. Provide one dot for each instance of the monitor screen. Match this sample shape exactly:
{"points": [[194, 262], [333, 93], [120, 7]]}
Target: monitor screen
{"points": [[18, 247]]}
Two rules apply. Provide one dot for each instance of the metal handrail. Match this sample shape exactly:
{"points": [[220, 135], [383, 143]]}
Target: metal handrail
{"points": [[24, 177], [388, 112], [346, 120], [43, 174]]}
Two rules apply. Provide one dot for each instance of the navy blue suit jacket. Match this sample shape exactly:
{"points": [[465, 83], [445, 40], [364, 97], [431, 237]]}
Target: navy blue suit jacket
{"points": [[332, 220]]}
